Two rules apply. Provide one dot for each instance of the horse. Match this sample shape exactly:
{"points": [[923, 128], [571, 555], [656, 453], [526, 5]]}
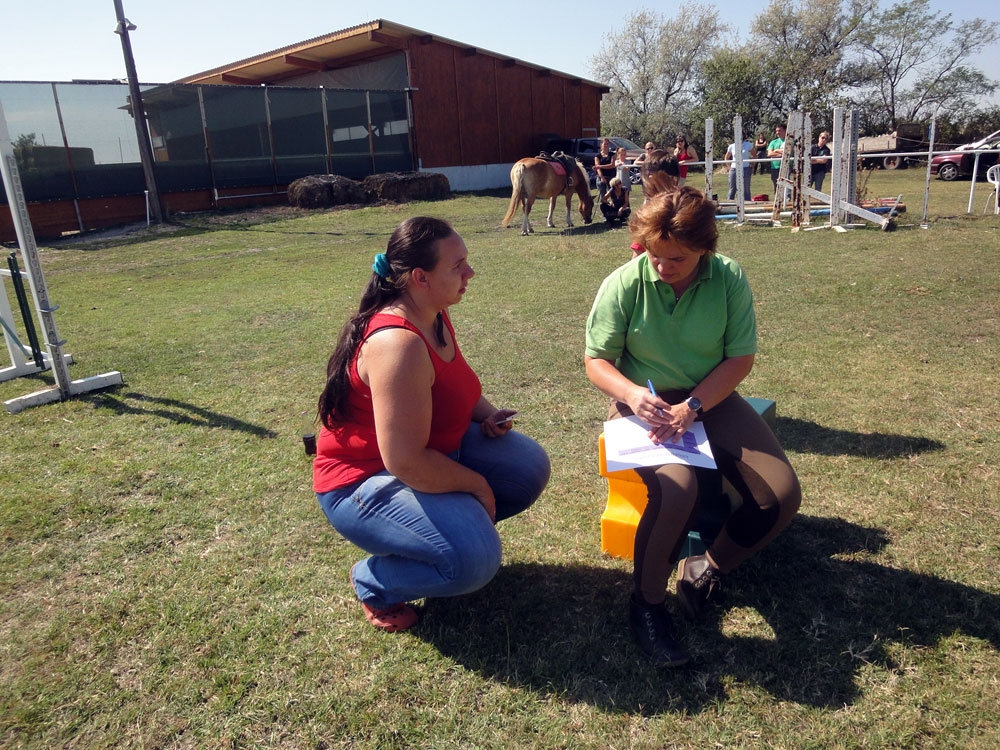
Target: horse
{"points": [[532, 178]]}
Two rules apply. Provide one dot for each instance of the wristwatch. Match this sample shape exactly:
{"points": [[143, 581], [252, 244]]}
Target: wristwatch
{"points": [[694, 404]]}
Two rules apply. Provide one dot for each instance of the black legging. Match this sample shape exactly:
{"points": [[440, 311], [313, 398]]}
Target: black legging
{"points": [[749, 456]]}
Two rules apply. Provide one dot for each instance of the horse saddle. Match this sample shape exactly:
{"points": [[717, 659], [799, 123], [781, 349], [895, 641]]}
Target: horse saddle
{"points": [[564, 166]]}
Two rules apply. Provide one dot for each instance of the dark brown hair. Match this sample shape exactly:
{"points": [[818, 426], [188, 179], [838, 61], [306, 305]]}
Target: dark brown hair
{"points": [[659, 173], [413, 244], [684, 216]]}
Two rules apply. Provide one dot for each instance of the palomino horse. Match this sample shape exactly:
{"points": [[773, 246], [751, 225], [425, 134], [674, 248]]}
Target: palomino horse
{"points": [[537, 178]]}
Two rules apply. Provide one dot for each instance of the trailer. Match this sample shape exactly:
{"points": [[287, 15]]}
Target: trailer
{"points": [[907, 137]]}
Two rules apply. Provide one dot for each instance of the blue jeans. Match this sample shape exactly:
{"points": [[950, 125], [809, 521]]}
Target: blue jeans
{"points": [[433, 545], [746, 183]]}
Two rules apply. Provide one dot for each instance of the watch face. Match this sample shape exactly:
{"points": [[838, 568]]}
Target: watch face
{"points": [[694, 403]]}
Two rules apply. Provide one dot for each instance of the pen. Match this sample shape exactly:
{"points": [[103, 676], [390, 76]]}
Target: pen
{"points": [[649, 384]]}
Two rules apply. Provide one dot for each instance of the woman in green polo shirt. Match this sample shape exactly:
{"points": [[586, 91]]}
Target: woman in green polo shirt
{"points": [[680, 317]]}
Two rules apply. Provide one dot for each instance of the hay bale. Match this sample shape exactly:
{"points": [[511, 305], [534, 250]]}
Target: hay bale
{"points": [[324, 190], [403, 187]]}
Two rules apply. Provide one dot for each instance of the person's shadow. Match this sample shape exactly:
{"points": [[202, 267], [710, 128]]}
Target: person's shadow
{"points": [[812, 611]]}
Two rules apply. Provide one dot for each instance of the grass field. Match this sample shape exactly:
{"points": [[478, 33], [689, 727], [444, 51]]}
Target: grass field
{"points": [[168, 580]]}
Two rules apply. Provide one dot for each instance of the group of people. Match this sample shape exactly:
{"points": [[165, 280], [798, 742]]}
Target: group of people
{"points": [[614, 192], [416, 466], [819, 159]]}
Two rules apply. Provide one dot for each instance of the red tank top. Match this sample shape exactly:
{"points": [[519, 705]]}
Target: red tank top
{"points": [[349, 452]]}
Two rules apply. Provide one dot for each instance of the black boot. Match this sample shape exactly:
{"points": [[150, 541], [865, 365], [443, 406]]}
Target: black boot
{"points": [[651, 628], [697, 582]]}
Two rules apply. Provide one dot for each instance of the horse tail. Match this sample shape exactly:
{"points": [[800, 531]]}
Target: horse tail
{"points": [[515, 196]]}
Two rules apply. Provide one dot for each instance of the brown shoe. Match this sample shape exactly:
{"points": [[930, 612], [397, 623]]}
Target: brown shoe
{"points": [[697, 582]]}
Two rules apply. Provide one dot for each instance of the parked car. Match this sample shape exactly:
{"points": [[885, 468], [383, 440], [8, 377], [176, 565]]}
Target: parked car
{"points": [[960, 162], [585, 149]]}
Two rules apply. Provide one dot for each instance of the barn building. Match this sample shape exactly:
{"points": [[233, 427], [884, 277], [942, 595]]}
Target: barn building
{"points": [[378, 97], [474, 112]]}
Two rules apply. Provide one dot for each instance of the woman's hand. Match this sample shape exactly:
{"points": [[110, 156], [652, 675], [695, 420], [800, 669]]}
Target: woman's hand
{"points": [[649, 407], [666, 421], [487, 500], [498, 423], [676, 420]]}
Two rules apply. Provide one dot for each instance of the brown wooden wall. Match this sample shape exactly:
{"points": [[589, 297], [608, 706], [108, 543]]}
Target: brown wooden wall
{"points": [[471, 108], [53, 219]]}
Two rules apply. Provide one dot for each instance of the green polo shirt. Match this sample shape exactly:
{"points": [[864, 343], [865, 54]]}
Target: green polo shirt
{"points": [[774, 146], [636, 323]]}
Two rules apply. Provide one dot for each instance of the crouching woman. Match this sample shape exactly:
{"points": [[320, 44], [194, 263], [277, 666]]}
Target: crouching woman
{"points": [[414, 464]]}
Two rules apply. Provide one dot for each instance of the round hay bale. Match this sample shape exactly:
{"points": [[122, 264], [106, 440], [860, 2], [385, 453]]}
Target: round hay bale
{"points": [[324, 190], [403, 187]]}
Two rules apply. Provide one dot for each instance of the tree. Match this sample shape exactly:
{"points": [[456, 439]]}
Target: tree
{"points": [[807, 48], [738, 82], [913, 61], [652, 67]]}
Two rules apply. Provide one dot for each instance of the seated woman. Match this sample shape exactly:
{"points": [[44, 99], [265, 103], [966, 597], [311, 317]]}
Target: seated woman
{"points": [[681, 317], [414, 464], [614, 204]]}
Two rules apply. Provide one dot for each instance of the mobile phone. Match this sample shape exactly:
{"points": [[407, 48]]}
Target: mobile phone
{"points": [[506, 419]]}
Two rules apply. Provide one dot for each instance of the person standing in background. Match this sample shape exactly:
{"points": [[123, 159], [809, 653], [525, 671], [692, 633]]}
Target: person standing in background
{"points": [[622, 170], [775, 149], [747, 148], [760, 152], [819, 159], [684, 152], [604, 167]]}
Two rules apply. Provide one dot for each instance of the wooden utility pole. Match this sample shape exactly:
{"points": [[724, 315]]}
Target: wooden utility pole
{"points": [[139, 114]]}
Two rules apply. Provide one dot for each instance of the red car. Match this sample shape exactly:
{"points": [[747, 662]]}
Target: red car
{"points": [[960, 162]]}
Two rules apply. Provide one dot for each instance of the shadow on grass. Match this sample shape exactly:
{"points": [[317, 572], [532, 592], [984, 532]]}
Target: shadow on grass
{"points": [[821, 619], [802, 436], [129, 402]]}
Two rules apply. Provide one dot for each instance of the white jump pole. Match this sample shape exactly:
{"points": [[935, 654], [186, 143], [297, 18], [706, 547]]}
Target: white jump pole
{"points": [[64, 387]]}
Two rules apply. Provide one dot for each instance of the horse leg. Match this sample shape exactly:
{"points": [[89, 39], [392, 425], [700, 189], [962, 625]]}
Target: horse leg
{"points": [[569, 213], [526, 224], [552, 208]]}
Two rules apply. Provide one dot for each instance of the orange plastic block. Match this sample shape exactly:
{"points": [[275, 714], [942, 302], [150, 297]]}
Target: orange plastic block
{"points": [[627, 500]]}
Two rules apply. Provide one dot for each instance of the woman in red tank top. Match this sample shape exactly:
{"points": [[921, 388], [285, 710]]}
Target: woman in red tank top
{"points": [[414, 464]]}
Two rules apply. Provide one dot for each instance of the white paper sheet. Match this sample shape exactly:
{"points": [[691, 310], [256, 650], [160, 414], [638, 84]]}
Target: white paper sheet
{"points": [[627, 446]]}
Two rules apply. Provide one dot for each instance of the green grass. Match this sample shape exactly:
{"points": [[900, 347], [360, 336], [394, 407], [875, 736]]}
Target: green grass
{"points": [[168, 580]]}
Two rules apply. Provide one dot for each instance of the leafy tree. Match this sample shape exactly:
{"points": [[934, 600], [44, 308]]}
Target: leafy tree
{"points": [[951, 131], [807, 48], [738, 81], [913, 61], [905, 63], [652, 67]]}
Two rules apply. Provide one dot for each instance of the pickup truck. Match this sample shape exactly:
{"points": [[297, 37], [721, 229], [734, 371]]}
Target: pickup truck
{"points": [[585, 149]]}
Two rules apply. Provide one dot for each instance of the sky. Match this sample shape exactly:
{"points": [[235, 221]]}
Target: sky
{"points": [[64, 40]]}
